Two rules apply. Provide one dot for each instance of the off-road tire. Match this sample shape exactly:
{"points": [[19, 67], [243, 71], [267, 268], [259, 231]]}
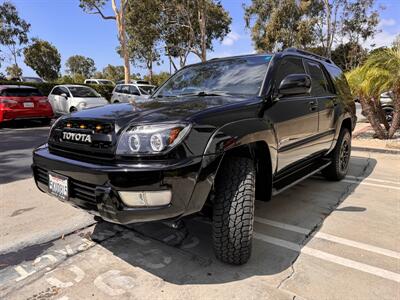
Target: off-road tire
{"points": [[233, 210], [340, 157]]}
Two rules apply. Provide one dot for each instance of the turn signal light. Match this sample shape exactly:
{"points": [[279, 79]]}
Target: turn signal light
{"points": [[82, 126]]}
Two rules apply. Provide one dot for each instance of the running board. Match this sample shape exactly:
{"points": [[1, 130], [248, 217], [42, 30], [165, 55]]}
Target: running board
{"points": [[280, 186]]}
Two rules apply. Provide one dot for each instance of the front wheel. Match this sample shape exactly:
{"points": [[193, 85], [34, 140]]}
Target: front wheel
{"points": [[340, 157], [233, 210]]}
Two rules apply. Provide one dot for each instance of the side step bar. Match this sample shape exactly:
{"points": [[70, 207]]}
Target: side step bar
{"points": [[283, 184]]}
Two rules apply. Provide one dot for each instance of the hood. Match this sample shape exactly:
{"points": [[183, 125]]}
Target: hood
{"points": [[168, 110]]}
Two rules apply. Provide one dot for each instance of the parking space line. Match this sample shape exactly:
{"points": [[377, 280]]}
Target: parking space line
{"points": [[329, 237], [373, 179], [371, 184], [329, 257]]}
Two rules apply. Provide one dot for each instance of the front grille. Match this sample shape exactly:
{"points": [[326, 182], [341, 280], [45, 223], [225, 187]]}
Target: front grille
{"points": [[102, 136], [84, 192]]}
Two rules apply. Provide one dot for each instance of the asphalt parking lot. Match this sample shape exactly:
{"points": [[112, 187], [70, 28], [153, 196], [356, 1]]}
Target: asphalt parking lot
{"points": [[317, 240]]}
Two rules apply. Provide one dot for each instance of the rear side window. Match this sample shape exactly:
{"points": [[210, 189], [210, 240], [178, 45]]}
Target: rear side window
{"points": [[319, 84], [20, 92], [118, 89], [289, 65]]}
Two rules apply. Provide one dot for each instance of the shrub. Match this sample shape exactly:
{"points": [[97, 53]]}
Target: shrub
{"points": [[46, 87]]}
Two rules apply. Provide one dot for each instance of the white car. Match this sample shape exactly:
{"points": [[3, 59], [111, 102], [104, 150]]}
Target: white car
{"points": [[99, 81], [131, 93], [69, 98]]}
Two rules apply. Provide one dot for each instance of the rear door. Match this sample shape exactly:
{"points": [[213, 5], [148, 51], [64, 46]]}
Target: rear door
{"points": [[295, 117], [323, 91]]}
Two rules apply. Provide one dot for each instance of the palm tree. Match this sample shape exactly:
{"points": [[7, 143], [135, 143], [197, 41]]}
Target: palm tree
{"points": [[386, 65], [380, 73], [368, 95]]}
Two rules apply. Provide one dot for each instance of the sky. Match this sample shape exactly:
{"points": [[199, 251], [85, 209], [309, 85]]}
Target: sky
{"points": [[65, 25]]}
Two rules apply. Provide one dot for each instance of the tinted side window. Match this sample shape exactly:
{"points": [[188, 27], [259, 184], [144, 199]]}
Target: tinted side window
{"points": [[125, 89], [134, 90], [64, 91], [56, 91], [319, 84], [289, 65], [118, 89]]}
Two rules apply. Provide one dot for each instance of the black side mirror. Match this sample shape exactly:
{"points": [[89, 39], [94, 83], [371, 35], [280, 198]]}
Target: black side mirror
{"points": [[295, 84]]}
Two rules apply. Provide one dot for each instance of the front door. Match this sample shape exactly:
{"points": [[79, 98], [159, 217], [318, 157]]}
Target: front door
{"points": [[295, 118]]}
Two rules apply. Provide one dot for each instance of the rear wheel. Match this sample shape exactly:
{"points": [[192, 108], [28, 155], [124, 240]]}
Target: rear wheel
{"points": [[340, 157], [72, 109], [233, 210]]}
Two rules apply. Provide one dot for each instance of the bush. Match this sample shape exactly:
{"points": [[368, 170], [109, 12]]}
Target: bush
{"points": [[46, 87]]}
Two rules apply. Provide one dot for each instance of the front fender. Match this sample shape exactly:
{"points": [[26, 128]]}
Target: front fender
{"points": [[228, 137]]}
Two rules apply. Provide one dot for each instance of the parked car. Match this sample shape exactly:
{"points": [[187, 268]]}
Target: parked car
{"points": [[131, 93], [28, 79], [387, 105], [69, 98], [99, 81], [145, 82], [215, 134], [24, 102]]}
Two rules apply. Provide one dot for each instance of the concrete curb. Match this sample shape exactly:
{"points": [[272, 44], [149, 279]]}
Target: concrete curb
{"points": [[377, 150]]}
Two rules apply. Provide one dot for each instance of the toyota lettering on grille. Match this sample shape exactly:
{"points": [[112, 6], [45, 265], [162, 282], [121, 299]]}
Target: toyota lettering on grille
{"points": [[77, 137]]}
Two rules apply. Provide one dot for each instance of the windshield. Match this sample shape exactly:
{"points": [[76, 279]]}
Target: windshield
{"points": [[239, 76], [146, 89], [84, 92], [20, 92]]}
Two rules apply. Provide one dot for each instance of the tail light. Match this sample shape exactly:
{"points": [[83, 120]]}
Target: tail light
{"points": [[44, 101], [8, 102]]}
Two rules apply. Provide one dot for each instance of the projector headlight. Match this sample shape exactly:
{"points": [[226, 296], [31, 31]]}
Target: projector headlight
{"points": [[151, 139]]}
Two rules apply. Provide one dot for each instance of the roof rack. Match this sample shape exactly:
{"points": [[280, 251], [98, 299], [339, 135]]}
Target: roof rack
{"points": [[309, 54]]}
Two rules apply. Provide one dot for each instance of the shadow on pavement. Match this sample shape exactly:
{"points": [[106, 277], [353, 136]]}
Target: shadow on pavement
{"points": [[17, 140], [181, 257]]}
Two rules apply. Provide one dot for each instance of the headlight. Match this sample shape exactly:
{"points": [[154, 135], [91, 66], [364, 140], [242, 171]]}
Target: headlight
{"points": [[151, 139]]}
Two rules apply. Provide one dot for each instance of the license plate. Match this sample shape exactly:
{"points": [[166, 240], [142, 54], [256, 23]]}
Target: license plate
{"points": [[28, 104], [58, 186]]}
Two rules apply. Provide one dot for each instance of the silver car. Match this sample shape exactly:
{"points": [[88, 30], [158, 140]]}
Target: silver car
{"points": [[131, 93]]}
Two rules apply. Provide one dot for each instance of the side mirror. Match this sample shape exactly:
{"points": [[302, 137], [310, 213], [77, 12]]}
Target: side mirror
{"points": [[64, 95], [295, 84]]}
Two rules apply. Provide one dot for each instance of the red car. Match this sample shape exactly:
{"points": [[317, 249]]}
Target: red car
{"points": [[24, 102]]}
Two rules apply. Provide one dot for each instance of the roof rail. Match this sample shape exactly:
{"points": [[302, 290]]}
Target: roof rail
{"points": [[309, 54]]}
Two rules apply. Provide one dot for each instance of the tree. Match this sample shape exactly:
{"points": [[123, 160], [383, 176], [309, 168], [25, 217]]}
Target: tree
{"points": [[380, 73], [348, 56], [158, 79], [306, 24], [14, 71], [280, 24], [13, 30], [44, 59], [190, 26], [114, 73], [143, 28], [78, 64], [95, 7]]}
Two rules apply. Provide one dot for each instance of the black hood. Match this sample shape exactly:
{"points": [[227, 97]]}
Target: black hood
{"points": [[169, 110]]}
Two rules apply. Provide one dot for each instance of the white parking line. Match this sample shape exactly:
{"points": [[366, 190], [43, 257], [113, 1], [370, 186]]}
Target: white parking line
{"points": [[371, 184], [373, 179], [329, 237], [329, 257]]}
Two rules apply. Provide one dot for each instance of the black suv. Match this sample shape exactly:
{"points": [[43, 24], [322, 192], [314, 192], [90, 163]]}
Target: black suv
{"points": [[218, 134]]}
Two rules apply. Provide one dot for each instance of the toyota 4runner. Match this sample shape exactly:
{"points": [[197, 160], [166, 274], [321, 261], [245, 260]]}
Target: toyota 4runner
{"points": [[218, 134]]}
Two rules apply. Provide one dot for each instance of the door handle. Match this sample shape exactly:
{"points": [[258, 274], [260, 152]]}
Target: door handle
{"points": [[312, 105]]}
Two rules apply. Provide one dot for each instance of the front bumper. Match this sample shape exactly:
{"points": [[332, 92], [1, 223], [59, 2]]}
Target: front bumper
{"points": [[95, 187]]}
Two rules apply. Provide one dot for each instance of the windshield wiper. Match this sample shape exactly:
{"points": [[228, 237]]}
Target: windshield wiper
{"points": [[206, 94]]}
